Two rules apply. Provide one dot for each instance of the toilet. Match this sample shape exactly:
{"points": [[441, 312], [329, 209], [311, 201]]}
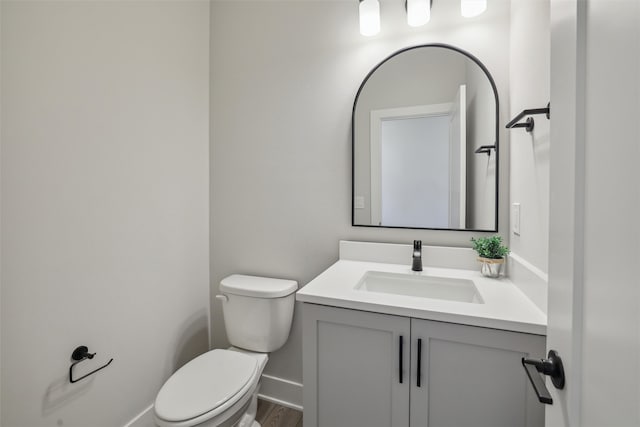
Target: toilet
{"points": [[220, 387]]}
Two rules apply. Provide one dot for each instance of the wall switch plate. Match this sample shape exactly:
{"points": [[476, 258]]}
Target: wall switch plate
{"points": [[516, 219], [359, 202]]}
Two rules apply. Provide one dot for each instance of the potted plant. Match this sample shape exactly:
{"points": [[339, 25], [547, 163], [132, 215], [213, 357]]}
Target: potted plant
{"points": [[491, 253]]}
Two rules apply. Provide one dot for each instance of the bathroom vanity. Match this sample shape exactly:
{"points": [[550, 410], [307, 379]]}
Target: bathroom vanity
{"points": [[385, 346]]}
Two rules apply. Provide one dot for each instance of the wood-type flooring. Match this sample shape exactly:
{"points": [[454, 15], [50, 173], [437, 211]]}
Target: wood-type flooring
{"points": [[272, 415]]}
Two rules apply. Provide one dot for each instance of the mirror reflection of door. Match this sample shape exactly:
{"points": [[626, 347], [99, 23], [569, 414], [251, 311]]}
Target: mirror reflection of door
{"points": [[418, 166], [458, 160]]}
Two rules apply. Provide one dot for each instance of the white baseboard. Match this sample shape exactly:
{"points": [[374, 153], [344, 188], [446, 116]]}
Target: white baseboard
{"points": [[529, 279], [283, 392], [143, 419]]}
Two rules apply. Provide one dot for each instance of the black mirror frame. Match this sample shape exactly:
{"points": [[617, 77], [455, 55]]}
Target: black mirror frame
{"points": [[497, 142]]}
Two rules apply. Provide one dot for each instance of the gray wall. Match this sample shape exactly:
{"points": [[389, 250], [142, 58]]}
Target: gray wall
{"points": [[283, 79], [105, 204]]}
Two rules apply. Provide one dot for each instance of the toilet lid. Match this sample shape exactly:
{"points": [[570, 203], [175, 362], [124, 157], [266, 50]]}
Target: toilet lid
{"points": [[205, 383], [260, 287]]}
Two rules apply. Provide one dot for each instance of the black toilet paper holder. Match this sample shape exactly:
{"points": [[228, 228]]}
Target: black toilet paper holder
{"points": [[79, 354]]}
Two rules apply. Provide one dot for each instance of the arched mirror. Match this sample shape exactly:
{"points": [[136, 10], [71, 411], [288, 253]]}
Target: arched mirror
{"points": [[425, 142]]}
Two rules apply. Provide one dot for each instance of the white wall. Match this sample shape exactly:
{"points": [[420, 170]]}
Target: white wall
{"points": [[284, 77], [529, 162], [104, 203]]}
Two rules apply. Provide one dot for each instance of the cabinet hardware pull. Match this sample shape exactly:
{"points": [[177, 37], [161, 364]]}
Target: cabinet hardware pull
{"points": [[419, 374], [400, 364], [551, 366]]}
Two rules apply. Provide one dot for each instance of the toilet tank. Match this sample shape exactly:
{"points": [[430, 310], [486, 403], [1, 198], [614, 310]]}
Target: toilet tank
{"points": [[257, 311]]}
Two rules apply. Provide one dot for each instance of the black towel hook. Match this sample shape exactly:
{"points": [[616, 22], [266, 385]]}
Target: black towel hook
{"points": [[486, 149], [79, 354], [529, 123]]}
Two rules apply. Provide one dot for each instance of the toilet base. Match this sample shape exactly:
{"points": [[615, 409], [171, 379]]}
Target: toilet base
{"points": [[249, 417], [253, 423]]}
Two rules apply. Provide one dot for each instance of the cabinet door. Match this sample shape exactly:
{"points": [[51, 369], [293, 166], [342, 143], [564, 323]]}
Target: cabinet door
{"points": [[472, 377], [356, 371]]}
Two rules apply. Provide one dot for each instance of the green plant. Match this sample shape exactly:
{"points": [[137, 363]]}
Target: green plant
{"points": [[490, 247]]}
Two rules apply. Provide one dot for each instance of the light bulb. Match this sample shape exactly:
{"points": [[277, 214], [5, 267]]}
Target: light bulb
{"points": [[418, 12], [369, 17], [471, 8]]}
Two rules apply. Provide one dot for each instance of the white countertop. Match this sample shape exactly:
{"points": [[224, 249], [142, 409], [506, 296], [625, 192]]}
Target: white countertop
{"points": [[505, 306]]}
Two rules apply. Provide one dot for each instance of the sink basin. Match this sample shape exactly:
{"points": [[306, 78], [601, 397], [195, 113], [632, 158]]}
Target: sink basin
{"points": [[415, 285]]}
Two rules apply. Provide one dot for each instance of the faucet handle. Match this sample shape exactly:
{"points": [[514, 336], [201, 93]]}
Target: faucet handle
{"points": [[417, 245]]}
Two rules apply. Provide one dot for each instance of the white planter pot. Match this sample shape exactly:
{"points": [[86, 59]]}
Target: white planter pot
{"points": [[491, 267]]}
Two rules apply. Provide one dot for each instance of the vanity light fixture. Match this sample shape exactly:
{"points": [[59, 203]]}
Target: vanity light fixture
{"points": [[471, 8], [369, 17], [418, 12]]}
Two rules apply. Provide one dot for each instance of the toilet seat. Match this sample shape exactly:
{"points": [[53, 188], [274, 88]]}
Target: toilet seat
{"points": [[206, 386]]}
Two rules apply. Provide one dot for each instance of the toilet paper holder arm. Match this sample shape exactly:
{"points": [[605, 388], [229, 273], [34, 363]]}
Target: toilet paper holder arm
{"points": [[79, 354]]}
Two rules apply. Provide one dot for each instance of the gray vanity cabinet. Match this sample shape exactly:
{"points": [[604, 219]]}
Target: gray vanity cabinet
{"points": [[352, 368], [472, 376], [355, 373]]}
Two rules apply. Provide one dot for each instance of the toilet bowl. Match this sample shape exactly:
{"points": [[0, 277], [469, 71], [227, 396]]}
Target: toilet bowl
{"points": [[220, 387], [214, 389]]}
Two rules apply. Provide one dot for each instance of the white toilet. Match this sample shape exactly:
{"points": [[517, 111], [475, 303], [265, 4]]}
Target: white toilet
{"points": [[220, 387]]}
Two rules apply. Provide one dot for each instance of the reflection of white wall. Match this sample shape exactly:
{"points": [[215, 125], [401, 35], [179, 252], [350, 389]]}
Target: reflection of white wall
{"points": [[415, 172], [481, 169]]}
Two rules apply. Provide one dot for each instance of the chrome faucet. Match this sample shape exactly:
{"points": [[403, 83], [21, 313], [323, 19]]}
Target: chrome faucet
{"points": [[417, 256]]}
